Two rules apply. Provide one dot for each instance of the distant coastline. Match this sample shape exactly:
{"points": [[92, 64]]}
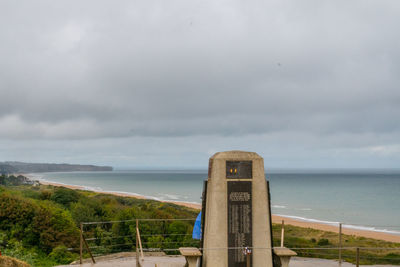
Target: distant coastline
{"points": [[23, 167], [291, 220]]}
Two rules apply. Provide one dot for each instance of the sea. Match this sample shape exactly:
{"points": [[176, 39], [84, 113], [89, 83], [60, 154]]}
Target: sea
{"points": [[360, 199]]}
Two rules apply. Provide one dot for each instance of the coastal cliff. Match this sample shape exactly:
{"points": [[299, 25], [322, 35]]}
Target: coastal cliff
{"points": [[22, 167]]}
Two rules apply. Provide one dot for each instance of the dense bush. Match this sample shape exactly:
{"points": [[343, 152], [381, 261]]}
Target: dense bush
{"points": [[323, 242], [16, 213], [60, 254], [64, 196], [39, 224], [43, 225], [54, 227]]}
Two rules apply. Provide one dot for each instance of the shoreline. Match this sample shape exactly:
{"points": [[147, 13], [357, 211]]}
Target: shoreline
{"points": [[391, 237], [121, 194], [332, 228]]}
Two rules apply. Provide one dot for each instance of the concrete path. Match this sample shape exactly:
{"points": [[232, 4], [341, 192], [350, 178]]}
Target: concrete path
{"points": [[150, 261], [179, 261], [309, 262]]}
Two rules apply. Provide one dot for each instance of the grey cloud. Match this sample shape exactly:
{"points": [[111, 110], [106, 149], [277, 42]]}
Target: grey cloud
{"points": [[74, 70]]}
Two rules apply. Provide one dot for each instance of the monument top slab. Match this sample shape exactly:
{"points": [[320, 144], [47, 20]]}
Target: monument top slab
{"points": [[236, 154]]}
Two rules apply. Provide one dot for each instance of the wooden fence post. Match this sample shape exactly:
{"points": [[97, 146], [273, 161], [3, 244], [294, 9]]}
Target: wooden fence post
{"points": [[81, 245], [358, 257], [137, 244], [282, 233], [140, 241], [87, 247], [340, 244]]}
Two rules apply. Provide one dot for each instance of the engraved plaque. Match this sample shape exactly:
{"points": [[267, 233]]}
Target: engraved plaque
{"points": [[239, 169], [239, 221]]}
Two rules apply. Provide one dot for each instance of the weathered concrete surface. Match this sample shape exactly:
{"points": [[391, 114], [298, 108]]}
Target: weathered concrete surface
{"points": [[216, 227], [179, 261], [151, 261]]}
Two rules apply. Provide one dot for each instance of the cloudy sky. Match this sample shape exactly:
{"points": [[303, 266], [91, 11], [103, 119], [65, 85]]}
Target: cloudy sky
{"points": [[165, 84]]}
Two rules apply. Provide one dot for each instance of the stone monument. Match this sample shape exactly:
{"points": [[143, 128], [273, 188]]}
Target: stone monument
{"points": [[236, 213]]}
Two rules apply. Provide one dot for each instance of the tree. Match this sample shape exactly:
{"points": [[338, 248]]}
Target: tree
{"points": [[65, 196]]}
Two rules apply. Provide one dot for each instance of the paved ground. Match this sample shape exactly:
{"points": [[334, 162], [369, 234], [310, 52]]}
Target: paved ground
{"points": [[150, 261], [179, 261], [307, 262]]}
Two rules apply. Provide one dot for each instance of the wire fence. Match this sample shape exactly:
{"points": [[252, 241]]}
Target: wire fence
{"points": [[163, 235], [168, 235]]}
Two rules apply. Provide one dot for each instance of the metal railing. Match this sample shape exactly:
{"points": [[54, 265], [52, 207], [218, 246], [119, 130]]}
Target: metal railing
{"points": [[140, 235], [167, 235]]}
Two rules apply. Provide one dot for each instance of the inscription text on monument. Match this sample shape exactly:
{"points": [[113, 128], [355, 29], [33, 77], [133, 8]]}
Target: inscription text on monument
{"points": [[239, 221]]}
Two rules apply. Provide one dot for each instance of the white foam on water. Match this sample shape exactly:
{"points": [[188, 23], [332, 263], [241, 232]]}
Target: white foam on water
{"points": [[370, 228], [279, 206], [348, 226], [171, 197], [91, 188], [100, 190], [303, 219], [286, 207], [129, 194], [34, 176]]}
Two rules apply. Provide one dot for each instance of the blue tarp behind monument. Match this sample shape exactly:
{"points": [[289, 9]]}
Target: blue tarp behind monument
{"points": [[197, 228]]}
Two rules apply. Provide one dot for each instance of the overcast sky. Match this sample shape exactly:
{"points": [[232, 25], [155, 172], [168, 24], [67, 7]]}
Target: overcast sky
{"points": [[165, 84]]}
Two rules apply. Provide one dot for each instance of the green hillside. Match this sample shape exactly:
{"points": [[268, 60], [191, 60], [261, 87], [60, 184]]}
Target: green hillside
{"points": [[40, 225]]}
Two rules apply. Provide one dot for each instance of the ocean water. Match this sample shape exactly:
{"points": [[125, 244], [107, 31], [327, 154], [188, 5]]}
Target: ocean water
{"points": [[363, 199]]}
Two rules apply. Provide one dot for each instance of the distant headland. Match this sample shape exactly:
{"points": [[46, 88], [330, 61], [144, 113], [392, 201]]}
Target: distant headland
{"points": [[23, 167]]}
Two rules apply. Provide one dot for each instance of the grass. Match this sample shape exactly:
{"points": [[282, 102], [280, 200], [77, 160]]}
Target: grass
{"points": [[323, 244]]}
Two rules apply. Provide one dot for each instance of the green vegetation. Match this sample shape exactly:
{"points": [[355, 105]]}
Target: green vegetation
{"points": [[299, 237], [10, 180], [40, 225]]}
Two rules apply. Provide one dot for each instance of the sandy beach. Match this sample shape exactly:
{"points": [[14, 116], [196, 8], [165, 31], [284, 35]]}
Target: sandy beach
{"points": [[186, 204], [275, 219], [332, 228]]}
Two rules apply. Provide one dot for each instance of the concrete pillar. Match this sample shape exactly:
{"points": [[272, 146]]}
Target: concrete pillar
{"points": [[237, 211]]}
